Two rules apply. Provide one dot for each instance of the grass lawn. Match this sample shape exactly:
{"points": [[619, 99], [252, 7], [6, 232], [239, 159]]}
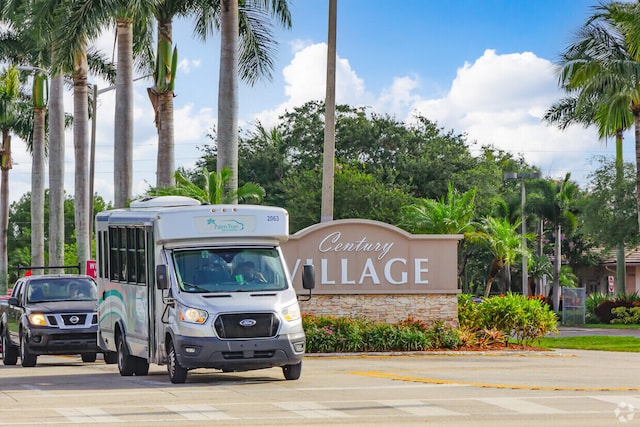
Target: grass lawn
{"points": [[593, 342]]}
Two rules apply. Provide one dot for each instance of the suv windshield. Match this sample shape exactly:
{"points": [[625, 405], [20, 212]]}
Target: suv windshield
{"points": [[229, 270], [62, 289]]}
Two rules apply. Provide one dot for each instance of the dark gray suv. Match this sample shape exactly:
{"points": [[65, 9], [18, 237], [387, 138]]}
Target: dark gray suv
{"points": [[50, 314]]}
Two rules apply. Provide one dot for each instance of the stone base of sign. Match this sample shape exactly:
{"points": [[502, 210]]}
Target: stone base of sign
{"points": [[386, 308]]}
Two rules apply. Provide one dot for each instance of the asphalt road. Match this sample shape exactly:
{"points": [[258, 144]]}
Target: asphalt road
{"points": [[554, 388]]}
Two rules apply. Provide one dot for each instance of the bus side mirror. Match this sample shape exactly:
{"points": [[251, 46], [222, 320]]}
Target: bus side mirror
{"points": [[308, 281], [308, 277], [162, 279]]}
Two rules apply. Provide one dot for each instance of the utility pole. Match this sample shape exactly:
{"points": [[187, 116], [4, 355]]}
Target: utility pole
{"points": [[329, 120]]}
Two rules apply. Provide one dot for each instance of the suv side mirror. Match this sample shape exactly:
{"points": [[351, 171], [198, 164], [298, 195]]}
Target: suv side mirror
{"points": [[13, 301]]}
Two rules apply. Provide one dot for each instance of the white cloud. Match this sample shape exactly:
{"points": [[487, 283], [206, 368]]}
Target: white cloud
{"points": [[306, 80], [500, 100]]}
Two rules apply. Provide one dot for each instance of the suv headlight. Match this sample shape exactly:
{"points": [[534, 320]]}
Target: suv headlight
{"points": [[38, 319], [291, 313], [193, 315]]}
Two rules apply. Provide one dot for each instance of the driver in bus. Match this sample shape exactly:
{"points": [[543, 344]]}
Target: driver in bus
{"points": [[248, 272]]}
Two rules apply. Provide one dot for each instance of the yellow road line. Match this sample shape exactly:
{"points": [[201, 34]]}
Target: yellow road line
{"points": [[406, 378]]}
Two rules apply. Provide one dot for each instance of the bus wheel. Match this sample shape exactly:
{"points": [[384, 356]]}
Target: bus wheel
{"points": [[177, 374], [110, 357], [126, 363], [292, 372], [88, 357], [142, 367]]}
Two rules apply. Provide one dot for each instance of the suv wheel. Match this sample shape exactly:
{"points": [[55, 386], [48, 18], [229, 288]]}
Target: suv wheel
{"points": [[9, 352], [28, 360]]}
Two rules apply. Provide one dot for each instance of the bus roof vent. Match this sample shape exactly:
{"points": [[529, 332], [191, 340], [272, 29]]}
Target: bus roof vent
{"points": [[164, 202]]}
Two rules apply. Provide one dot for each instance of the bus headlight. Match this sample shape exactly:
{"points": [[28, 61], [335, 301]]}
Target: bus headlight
{"points": [[193, 315], [291, 313]]}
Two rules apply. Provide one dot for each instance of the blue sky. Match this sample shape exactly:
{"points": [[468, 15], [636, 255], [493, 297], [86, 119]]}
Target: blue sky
{"points": [[480, 67]]}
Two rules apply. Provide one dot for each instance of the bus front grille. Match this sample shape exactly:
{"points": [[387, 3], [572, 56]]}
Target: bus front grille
{"points": [[247, 325]]}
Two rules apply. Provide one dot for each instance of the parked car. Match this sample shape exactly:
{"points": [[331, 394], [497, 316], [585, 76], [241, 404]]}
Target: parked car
{"points": [[50, 314], [3, 303]]}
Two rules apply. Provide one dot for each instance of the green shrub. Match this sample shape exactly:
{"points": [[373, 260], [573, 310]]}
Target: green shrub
{"points": [[481, 322], [513, 315], [625, 315], [326, 334]]}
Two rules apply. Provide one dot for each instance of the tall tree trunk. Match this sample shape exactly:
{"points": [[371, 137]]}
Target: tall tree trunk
{"points": [[621, 268], [328, 169], [228, 93], [166, 160], [166, 164], [123, 129], [81, 150], [636, 120], [56, 171], [37, 188], [556, 269], [5, 167], [496, 266]]}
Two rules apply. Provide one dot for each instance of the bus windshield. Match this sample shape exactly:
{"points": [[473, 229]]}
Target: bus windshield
{"points": [[229, 270]]}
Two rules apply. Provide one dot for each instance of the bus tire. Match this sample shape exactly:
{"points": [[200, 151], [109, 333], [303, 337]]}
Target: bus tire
{"points": [[110, 357], [177, 374], [89, 357], [142, 367], [126, 363], [292, 372]]}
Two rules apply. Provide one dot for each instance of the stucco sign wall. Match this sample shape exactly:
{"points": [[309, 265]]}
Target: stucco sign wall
{"points": [[355, 256]]}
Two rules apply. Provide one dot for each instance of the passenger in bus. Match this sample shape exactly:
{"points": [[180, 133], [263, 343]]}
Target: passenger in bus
{"points": [[214, 272]]}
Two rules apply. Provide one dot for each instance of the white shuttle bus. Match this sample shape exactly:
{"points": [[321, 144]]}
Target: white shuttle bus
{"points": [[192, 285]]}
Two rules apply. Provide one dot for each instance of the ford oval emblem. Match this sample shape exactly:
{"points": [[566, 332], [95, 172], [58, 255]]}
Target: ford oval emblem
{"points": [[74, 319], [247, 323]]}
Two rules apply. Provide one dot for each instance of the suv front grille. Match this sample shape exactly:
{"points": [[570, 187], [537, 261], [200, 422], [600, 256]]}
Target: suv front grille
{"points": [[247, 325], [72, 320]]}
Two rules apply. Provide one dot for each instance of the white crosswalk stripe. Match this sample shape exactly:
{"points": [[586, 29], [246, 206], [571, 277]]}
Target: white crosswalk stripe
{"points": [[521, 406], [419, 408], [311, 410], [199, 412], [87, 415]]}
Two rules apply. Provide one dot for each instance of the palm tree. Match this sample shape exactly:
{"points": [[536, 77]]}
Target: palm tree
{"points": [[83, 21], [602, 80], [13, 119], [503, 241], [256, 44], [601, 73], [25, 47], [39, 102], [451, 216], [213, 189], [558, 200], [238, 56]]}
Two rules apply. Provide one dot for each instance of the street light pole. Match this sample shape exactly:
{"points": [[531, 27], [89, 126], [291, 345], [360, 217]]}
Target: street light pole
{"points": [[523, 198]]}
